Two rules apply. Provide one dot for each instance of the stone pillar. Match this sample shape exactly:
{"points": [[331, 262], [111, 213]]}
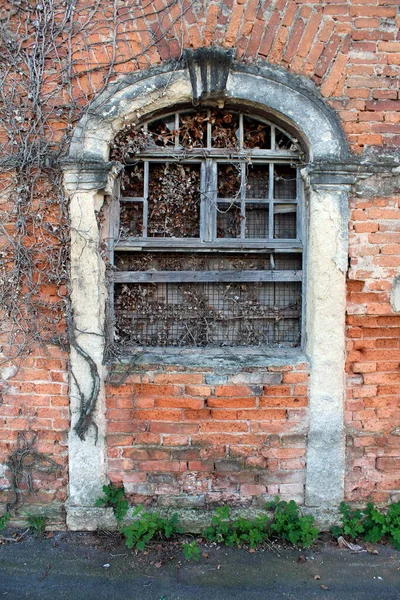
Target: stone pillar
{"points": [[86, 186], [326, 267]]}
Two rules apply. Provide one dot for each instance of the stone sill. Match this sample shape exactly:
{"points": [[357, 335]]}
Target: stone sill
{"points": [[217, 359]]}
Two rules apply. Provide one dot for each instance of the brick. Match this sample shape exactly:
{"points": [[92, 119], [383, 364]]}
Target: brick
{"points": [[198, 390], [179, 428], [295, 377], [157, 415], [252, 490], [282, 401], [232, 390], [163, 466], [262, 414], [151, 389], [177, 402], [283, 390], [231, 402], [224, 426], [388, 464]]}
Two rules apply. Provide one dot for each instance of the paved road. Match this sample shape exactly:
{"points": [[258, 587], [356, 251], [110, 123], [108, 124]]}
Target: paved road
{"points": [[70, 566]]}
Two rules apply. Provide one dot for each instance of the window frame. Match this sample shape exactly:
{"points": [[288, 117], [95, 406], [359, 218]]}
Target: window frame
{"points": [[209, 159]]}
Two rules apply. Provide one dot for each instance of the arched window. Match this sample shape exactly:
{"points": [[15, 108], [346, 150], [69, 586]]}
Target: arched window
{"points": [[206, 239]]}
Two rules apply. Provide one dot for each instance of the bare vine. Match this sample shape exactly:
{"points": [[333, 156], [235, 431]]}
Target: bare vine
{"points": [[55, 57]]}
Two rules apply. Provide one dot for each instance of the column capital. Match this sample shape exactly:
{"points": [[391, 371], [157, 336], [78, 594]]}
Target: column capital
{"points": [[330, 175], [89, 175]]}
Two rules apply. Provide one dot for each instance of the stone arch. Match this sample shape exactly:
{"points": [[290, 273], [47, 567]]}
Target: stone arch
{"points": [[290, 99]]}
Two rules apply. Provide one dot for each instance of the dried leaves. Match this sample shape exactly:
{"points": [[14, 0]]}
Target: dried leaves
{"points": [[174, 200]]}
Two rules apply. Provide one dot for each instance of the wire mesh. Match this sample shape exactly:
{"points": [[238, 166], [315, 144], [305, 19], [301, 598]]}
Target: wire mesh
{"points": [[257, 220], [285, 221], [285, 182], [229, 219], [257, 181], [208, 314]]}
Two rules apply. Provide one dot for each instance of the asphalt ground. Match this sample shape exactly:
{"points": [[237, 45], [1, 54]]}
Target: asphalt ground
{"points": [[91, 567]]}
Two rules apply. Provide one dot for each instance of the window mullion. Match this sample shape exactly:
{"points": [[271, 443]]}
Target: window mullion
{"points": [[271, 201], [208, 209], [243, 200], [145, 197]]}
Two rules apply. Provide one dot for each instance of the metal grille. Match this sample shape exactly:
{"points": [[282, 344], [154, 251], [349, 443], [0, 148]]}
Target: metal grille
{"points": [[208, 314]]}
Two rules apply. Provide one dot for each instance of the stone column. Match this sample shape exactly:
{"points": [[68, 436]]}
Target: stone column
{"points": [[86, 186], [326, 267]]}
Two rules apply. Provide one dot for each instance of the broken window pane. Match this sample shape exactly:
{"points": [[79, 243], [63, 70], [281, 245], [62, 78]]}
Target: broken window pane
{"points": [[193, 130], [225, 129], [256, 134], [285, 221], [285, 182], [174, 200], [163, 131]]}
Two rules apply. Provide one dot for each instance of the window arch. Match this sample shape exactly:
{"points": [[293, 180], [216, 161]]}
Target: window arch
{"points": [[207, 237]]}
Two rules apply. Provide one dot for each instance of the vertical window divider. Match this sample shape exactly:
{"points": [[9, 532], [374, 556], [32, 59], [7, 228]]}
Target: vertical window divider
{"points": [[299, 217], [271, 201], [177, 116], [243, 180], [273, 138], [146, 167], [241, 132], [209, 129]]}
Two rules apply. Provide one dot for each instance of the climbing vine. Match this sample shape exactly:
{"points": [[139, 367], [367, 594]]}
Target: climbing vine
{"points": [[55, 57]]}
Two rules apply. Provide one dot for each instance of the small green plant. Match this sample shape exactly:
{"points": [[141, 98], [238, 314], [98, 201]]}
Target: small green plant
{"points": [[4, 520], [147, 527], [290, 525], [371, 524], [115, 498], [37, 524], [191, 550], [352, 522], [238, 532]]}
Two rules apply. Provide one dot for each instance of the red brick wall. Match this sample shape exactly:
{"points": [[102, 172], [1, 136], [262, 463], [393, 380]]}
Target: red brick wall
{"points": [[350, 50], [36, 400], [217, 437], [373, 402]]}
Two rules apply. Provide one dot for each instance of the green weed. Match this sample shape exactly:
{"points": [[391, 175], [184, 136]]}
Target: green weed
{"points": [[288, 524], [37, 524], [191, 550], [241, 531], [148, 527], [115, 498], [4, 520]]}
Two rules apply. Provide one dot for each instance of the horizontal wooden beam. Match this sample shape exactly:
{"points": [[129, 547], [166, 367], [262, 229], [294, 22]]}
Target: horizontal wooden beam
{"points": [[228, 276], [169, 153], [182, 244]]}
